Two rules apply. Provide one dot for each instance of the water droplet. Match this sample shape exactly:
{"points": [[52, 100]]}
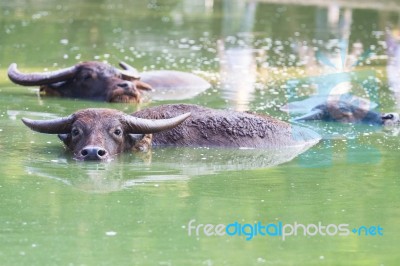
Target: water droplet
{"points": [[111, 233], [64, 41]]}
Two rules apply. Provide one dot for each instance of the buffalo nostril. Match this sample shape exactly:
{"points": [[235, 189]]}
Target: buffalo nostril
{"points": [[101, 152], [124, 85], [84, 152]]}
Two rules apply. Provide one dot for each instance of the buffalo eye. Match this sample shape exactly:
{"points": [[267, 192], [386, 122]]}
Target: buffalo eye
{"points": [[75, 132], [87, 76], [118, 132]]}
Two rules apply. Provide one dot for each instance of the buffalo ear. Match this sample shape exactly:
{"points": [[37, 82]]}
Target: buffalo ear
{"points": [[65, 138], [134, 138], [128, 72], [53, 126], [143, 86], [57, 85]]}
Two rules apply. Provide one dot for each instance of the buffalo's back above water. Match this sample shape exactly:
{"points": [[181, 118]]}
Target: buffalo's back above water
{"points": [[212, 127]]}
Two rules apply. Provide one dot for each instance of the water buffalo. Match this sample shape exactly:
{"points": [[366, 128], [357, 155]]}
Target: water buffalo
{"points": [[306, 105], [99, 134], [103, 82], [345, 112]]}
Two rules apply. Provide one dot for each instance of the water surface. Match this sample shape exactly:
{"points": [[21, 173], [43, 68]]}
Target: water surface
{"points": [[258, 56]]}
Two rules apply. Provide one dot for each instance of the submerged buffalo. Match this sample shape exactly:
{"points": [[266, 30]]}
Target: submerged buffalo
{"points": [[345, 112], [99, 134], [103, 82]]}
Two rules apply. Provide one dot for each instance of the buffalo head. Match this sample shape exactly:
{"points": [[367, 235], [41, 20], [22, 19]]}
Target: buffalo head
{"points": [[346, 112], [87, 80], [98, 134], [391, 119]]}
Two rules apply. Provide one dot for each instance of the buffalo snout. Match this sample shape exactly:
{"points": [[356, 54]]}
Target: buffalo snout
{"points": [[124, 91], [93, 153]]}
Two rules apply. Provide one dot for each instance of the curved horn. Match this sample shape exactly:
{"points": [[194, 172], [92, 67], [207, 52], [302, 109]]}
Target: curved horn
{"points": [[147, 126], [128, 71], [53, 126], [36, 78]]}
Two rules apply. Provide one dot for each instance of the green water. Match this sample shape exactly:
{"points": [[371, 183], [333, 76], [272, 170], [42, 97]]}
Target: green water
{"points": [[136, 209]]}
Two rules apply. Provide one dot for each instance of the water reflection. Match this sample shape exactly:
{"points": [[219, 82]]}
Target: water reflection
{"points": [[333, 60], [332, 45], [128, 170], [393, 62], [333, 29], [195, 7], [238, 70]]}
